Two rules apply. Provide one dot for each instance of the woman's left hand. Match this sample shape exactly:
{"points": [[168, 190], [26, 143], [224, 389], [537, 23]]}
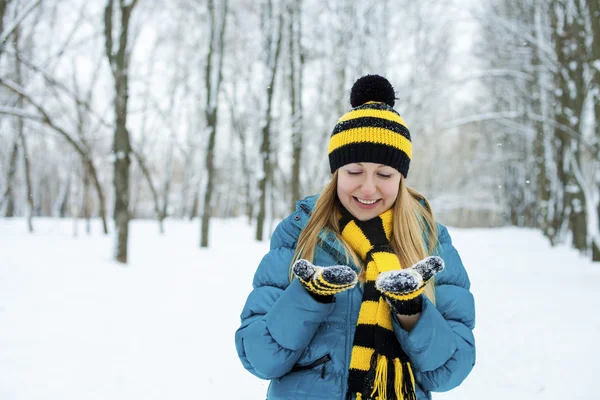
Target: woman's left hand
{"points": [[403, 288]]}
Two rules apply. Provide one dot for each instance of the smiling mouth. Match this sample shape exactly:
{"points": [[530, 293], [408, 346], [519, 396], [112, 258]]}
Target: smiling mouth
{"points": [[366, 202]]}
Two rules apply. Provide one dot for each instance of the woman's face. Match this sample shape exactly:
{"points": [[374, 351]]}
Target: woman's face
{"points": [[367, 189]]}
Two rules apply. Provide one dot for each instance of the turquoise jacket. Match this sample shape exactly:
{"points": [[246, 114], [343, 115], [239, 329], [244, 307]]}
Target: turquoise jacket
{"points": [[304, 346]]}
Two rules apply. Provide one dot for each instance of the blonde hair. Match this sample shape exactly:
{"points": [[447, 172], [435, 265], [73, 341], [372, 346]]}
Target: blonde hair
{"points": [[414, 231]]}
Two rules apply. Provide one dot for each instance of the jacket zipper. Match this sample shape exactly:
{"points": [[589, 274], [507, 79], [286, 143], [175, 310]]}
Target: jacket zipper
{"points": [[321, 361]]}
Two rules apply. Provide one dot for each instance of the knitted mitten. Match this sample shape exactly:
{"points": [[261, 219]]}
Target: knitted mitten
{"points": [[403, 288], [323, 282]]}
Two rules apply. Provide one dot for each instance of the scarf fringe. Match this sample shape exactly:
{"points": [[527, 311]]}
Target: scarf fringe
{"points": [[380, 384], [404, 381]]}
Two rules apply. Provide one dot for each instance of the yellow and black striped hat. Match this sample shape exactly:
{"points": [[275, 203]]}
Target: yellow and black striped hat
{"points": [[372, 131]]}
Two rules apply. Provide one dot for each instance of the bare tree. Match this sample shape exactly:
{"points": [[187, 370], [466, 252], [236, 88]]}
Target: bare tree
{"points": [[84, 126], [42, 115], [20, 128], [593, 10], [296, 59], [239, 120], [8, 196], [213, 78], [3, 5], [272, 30], [5, 31], [119, 60], [551, 179]]}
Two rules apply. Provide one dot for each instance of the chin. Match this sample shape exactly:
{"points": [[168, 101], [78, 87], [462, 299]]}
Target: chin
{"points": [[365, 215]]}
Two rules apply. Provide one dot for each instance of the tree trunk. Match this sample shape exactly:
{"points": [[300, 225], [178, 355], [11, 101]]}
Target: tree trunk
{"points": [[543, 148], [240, 130], [594, 13], [99, 191], [578, 223], [571, 55], [249, 203], [210, 170], [155, 197], [21, 133], [27, 175], [9, 196], [265, 147], [569, 45], [75, 203], [3, 5], [296, 68], [213, 77], [62, 202], [596, 240], [195, 204], [119, 63], [166, 187], [85, 208]]}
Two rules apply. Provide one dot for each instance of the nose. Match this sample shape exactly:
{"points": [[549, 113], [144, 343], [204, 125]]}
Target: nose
{"points": [[368, 187]]}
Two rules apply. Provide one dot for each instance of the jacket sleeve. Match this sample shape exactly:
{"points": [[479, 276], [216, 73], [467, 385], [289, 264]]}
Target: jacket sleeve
{"points": [[441, 346], [279, 318]]}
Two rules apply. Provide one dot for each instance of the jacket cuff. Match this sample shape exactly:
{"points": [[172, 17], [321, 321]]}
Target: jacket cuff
{"points": [[295, 317], [431, 342]]}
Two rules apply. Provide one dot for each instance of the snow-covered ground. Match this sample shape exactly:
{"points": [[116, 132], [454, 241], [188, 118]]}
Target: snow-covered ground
{"points": [[75, 325]]}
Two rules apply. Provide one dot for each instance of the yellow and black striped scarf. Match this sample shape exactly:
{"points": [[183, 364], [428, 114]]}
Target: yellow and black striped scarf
{"points": [[379, 368]]}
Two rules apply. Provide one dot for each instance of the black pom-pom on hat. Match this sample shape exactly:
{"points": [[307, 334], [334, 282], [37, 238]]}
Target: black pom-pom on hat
{"points": [[372, 88]]}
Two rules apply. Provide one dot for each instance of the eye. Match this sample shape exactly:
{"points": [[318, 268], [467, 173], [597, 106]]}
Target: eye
{"points": [[354, 172], [384, 176]]}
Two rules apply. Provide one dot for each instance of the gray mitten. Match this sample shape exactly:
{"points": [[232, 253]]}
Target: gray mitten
{"points": [[403, 288], [324, 282]]}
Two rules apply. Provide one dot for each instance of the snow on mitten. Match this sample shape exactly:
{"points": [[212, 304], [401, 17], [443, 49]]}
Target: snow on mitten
{"points": [[323, 282], [403, 288]]}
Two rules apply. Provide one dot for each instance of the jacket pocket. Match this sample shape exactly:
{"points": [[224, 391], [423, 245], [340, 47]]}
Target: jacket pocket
{"points": [[321, 362]]}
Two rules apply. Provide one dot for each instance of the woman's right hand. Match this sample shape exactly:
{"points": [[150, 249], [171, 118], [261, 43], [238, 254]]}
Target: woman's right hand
{"points": [[324, 282]]}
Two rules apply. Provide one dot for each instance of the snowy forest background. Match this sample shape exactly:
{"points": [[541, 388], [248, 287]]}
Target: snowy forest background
{"points": [[184, 109]]}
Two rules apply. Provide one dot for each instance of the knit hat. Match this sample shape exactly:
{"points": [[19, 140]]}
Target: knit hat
{"points": [[372, 131]]}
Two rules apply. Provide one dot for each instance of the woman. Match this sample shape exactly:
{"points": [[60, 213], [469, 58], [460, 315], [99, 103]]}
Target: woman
{"points": [[362, 295]]}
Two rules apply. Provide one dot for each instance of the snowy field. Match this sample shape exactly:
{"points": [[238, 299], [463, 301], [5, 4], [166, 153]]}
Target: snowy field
{"points": [[76, 326]]}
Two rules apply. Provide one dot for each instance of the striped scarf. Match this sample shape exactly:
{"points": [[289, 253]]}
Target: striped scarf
{"points": [[379, 368]]}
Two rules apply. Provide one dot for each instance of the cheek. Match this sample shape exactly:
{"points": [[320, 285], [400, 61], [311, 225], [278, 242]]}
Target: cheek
{"points": [[344, 187], [390, 190]]}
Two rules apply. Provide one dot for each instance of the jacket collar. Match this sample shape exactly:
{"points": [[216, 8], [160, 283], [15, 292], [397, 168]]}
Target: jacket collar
{"points": [[329, 242]]}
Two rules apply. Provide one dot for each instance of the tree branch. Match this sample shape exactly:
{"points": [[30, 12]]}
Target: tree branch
{"points": [[148, 176], [482, 117], [16, 22], [43, 117], [108, 39], [17, 112], [50, 79]]}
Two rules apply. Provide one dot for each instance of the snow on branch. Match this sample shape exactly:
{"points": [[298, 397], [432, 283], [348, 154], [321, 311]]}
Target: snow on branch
{"points": [[522, 33], [18, 112], [483, 117], [592, 199], [564, 128], [129, 4], [496, 73], [44, 117], [52, 81], [17, 21]]}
